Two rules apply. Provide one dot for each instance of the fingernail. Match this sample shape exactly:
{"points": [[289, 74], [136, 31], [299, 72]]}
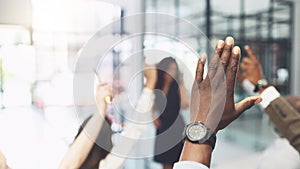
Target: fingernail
{"points": [[246, 47], [220, 44], [203, 58], [229, 40], [236, 50]]}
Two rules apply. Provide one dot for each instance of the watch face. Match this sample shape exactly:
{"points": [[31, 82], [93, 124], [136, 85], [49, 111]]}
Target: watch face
{"points": [[196, 132], [262, 82]]}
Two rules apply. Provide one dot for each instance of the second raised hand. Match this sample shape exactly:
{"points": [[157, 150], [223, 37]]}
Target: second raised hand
{"points": [[108, 98]]}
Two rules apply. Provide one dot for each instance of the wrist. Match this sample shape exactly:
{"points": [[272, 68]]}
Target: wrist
{"points": [[151, 84], [101, 106], [261, 85], [200, 153]]}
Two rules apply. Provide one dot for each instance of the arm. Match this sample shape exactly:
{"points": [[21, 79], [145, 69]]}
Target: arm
{"points": [[205, 92], [281, 113], [83, 144], [184, 97], [286, 120], [122, 149]]}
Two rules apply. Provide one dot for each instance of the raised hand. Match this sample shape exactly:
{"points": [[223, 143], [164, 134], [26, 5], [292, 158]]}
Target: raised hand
{"points": [[103, 96], [212, 101], [251, 67]]}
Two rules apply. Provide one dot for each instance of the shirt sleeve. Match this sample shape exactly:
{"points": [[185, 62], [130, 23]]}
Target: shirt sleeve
{"points": [[248, 87], [268, 95], [189, 165], [286, 120], [131, 133]]}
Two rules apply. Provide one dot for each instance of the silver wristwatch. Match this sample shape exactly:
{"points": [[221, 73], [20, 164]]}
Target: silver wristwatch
{"points": [[197, 132], [261, 84]]}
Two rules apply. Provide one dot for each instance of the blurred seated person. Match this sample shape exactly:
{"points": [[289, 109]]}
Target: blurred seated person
{"points": [[212, 105], [86, 154]]}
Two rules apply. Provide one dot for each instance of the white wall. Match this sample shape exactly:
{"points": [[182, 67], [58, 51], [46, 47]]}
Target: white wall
{"points": [[15, 12]]}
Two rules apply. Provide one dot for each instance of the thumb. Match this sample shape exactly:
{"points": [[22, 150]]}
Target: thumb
{"points": [[247, 103]]}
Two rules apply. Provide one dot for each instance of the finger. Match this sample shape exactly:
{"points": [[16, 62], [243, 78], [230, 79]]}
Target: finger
{"points": [[247, 61], [247, 103], [102, 84], [227, 52], [200, 69], [250, 53], [232, 69], [240, 77], [219, 48], [213, 64], [104, 88]]}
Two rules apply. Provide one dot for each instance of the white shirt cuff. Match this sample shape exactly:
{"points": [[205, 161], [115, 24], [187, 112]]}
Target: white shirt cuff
{"points": [[249, 87], [189, 165], [147, 90], [268, 95]]}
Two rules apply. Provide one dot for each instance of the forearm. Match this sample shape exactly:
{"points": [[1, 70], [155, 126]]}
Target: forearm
{"points": [[132, 131], [184, 97], [200, 153], [83, 144]]}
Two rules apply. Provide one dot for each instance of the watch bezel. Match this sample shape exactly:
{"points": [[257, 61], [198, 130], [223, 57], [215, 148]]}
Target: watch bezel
{"points": [[262, 83], [197, 140]]}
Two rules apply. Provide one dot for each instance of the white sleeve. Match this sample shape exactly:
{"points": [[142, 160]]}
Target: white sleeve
{"points": [[249, 87], [131, 133], [268, 95], [189, 165]]}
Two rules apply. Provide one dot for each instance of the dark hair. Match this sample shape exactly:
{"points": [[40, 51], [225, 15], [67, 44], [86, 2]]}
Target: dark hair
{"points": [[162, 68]]}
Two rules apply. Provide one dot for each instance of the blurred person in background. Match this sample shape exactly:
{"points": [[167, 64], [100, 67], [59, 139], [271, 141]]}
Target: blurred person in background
{"points": [[170, 97], [86, 151], [284, 112]]}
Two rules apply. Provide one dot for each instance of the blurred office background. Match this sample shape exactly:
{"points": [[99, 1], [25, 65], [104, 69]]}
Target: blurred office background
{"points": [[39, 45]]}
